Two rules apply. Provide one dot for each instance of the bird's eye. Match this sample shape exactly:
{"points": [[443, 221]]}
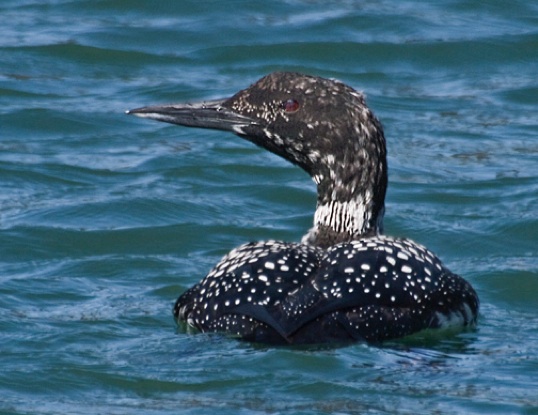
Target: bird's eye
{"points": [[290, 105]]}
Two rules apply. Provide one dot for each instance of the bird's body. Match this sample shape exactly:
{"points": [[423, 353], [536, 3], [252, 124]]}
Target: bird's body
{"points": [[345, 281]]}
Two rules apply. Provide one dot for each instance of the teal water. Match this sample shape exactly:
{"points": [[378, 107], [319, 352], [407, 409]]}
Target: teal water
{"points": [[105, 219]]}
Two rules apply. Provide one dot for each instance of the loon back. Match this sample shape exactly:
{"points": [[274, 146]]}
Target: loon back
{"points": [[344, 281]]}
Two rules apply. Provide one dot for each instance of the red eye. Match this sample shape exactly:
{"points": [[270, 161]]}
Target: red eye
{"points": [[290, 105]]}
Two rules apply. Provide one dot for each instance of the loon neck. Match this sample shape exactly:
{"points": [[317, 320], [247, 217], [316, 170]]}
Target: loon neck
{"points": [[351, 200], [345, 221]]}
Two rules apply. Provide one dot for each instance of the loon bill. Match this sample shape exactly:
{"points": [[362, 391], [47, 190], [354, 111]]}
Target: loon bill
{"points": [[345, 281]]}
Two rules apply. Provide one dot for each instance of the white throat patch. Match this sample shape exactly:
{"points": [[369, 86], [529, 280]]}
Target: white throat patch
{"points": [[350, 217]]}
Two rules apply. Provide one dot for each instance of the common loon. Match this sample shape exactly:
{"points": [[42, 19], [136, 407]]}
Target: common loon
{"points": [[345, 281]]}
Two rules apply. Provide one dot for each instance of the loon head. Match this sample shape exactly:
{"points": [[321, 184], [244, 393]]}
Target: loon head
{"points": [[321, 125]]}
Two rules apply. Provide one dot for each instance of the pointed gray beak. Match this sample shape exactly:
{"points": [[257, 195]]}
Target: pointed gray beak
{"points": [[208, 114]]}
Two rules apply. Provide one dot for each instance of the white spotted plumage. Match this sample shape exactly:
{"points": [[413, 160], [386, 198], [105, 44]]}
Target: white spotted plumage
{"points": [[332, 290]]}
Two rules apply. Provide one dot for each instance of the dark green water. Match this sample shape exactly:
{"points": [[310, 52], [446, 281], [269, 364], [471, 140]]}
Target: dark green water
{"points": [[105, 219]]}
